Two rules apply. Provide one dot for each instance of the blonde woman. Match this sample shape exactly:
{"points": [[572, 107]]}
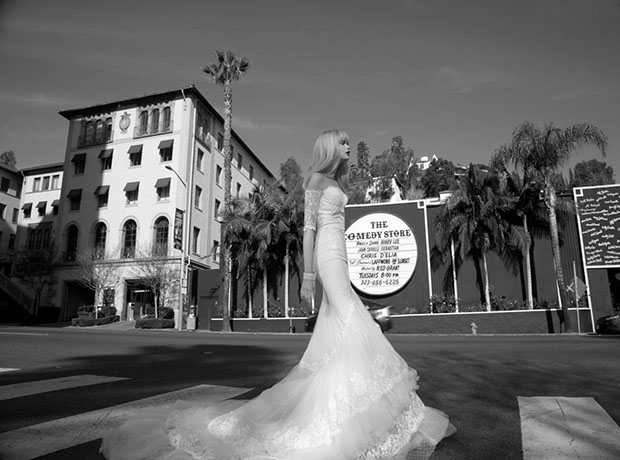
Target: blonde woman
{"points": [[351, 396]]}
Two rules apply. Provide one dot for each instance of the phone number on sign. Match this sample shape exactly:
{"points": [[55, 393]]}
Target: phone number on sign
{"points": [[379, 282]]}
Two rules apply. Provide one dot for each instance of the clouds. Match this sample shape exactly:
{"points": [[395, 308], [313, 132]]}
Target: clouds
{"points": [[459, 79]]}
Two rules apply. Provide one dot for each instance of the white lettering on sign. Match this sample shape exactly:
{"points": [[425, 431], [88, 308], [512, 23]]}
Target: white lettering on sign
{"points": [[382, 252]]}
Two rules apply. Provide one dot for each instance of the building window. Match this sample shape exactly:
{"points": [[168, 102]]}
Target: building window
{"points": [[195, 240], [36, 185], [106, 159], [216, 210], [154, 121], [166, 123], [144, 123], [72, 243], [2, 209], [130, 231], [11, 241], [41, 207], [215, 251], [5, 184], [99, 131], [46, 183], [55, 181], [55, 205], [101, 234], [238, 189], [131, 192], [160, 247], [89, 136], [75, 197], [162, 187], [198, 197], [199, 159], [135, 155], [165, 150], [79, 162], [15, 215], [27, 208], [218, 175], [108, 129], [102, 193], [251, 172], [239, 161], [38, 236], [220, 141]]}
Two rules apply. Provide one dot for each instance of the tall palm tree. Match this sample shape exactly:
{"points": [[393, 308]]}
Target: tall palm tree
{"points": [[473, 221], [542, 152], [224, 71]]}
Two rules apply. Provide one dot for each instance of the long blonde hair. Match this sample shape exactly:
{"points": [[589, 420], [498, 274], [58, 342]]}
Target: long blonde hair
{"points": [[326, 159]]}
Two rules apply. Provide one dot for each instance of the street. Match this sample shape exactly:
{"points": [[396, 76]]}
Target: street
{"points": [[480, 381]]}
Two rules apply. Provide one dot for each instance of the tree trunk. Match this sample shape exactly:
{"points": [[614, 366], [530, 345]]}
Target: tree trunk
{"points": [[249, 281], [550, 199], [487, 290], [286, 281], [528, 267], [265, 295], [224, 267]]}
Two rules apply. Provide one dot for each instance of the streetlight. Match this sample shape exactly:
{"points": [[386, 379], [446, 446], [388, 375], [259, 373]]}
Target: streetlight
{"points": [[184, 245]]}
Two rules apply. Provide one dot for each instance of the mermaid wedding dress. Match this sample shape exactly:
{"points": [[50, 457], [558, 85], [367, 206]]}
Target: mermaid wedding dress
{"points": [[351, 397]]}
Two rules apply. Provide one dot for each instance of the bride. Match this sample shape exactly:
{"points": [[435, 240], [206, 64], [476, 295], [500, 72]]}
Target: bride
{"points": [[351, 396]]}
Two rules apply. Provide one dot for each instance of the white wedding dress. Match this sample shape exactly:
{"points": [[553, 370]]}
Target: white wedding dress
{"points": [[351, 397]]}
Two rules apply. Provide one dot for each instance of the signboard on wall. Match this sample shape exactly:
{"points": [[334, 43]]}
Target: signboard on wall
{"points": [[178, 229], [599, 222], [382, 252]]}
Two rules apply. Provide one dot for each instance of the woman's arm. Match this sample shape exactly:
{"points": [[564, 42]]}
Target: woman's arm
{"points": [[312, 199]]}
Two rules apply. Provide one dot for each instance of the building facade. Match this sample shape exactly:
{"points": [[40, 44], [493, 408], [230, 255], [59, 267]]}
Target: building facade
{"points": [[10, 195], [143, 182]]}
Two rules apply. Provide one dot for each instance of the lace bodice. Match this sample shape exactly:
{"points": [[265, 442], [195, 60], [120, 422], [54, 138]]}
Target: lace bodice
{"points": [[324, 208]]}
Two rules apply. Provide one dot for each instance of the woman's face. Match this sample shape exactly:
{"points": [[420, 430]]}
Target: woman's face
{"points": [[344, 150]]}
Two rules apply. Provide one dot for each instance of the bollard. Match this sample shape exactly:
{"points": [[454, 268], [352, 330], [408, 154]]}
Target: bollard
{"points": [[474, 328]]}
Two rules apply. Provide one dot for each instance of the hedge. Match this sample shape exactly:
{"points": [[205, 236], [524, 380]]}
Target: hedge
{"points": [[154, 323], [87, 322]]}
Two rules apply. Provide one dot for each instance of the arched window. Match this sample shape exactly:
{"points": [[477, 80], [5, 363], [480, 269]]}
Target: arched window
{"points": [[154, 121], [160, 246], [108, 129], [144, 122], [99, 131], [101, 233], [165, 126], [89, 133], [130, 230], [72, 243]]}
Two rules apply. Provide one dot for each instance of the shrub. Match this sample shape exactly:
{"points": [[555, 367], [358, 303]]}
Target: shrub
{"points": [[87, 322], [445, 303], [107, 311], [164, 312], [154, 323], [86, 311]]}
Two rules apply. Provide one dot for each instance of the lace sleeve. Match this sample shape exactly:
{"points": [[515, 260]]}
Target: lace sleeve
{"points": [[311, 208]]}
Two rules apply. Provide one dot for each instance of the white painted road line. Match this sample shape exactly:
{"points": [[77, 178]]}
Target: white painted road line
{"points": [[37, 440], [19, 390], [7, 369], [21, 333], [557, 428]]}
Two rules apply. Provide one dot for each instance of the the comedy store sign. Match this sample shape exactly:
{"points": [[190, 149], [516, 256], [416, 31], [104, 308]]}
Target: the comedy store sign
{"points": [[382, 253]]}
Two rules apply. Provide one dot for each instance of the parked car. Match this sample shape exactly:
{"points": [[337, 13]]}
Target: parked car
{"points": [[380, 313], [608, 324]]}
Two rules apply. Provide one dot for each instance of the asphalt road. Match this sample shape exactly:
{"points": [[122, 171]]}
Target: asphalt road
{"points": [[475, 379]]}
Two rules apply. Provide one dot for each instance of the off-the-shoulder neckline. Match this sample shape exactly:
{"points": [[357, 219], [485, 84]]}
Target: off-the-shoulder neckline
{"points": [[337, 187]]}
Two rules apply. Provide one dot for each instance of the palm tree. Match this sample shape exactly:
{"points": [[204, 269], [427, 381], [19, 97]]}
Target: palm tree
{"points": [[473, 220], [542, 152], [224, 71]]}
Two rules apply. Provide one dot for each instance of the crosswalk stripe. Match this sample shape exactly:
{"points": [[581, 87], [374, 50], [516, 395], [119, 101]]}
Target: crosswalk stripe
{"points": [[37, 440], [19, 390], [560, 428]]}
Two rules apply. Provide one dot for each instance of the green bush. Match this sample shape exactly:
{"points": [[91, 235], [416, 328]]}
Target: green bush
{"points": [[87, 322], [164, 312], [107, 311], [445, 303], [86, 311], [154, 323]]}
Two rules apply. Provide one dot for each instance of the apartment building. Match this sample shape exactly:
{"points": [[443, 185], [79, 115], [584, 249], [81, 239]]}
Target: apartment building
{"points": [[10, 194], [143, 179]]}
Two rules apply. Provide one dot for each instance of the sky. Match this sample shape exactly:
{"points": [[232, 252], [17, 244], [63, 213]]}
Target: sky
{"points": [[452, 78]]}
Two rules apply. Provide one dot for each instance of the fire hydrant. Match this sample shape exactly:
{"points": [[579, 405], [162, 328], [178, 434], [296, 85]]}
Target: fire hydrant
{"points": [[474, 328]]}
